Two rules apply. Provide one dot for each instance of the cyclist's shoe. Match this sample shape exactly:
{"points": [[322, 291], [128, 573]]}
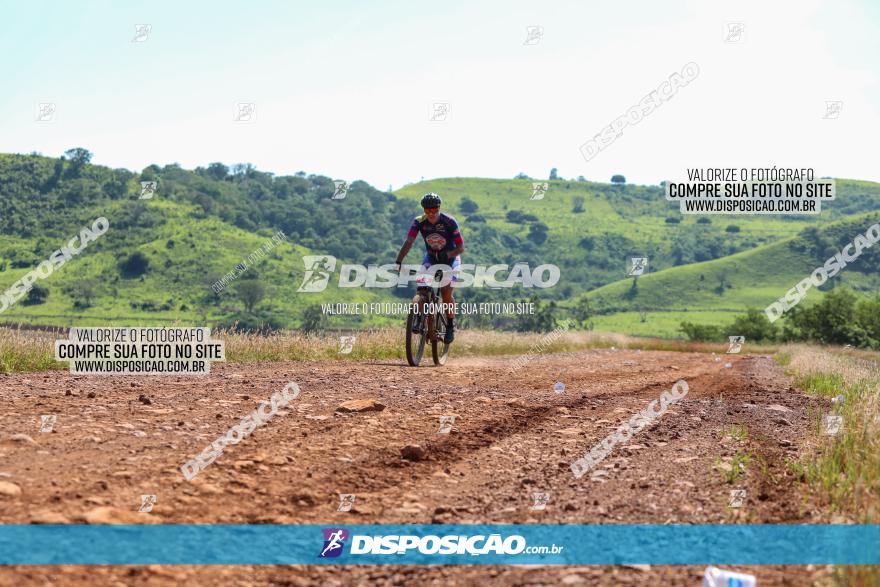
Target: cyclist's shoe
{"points": [[450, 333]]}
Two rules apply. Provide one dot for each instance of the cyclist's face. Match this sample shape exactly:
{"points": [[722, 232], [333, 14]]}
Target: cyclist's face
{"points": [[432, 214]]}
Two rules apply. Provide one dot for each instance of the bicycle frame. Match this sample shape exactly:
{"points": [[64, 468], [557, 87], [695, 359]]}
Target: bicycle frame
{"points": [[429, 320]]}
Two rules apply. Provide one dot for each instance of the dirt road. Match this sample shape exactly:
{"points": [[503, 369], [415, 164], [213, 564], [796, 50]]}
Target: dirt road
{"points": [[117, 438]]}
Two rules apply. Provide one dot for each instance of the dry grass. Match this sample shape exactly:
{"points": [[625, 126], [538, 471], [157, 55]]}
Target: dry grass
{"points": [[29, 350], [32, 350], [389, 344]]}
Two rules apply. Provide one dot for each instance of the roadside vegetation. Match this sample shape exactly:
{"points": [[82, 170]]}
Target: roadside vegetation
{"points": [[843, 469]]}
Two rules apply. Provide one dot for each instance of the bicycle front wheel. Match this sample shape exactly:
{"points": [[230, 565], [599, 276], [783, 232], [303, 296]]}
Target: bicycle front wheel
{"points": [[439, 349], [415, 341]]}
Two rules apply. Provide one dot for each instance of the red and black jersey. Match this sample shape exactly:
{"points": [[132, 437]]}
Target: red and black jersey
{"points": [[443, 236]]}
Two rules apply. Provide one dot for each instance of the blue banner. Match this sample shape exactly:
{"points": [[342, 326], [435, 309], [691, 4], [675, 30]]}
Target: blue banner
{"points": [[211, 544]]}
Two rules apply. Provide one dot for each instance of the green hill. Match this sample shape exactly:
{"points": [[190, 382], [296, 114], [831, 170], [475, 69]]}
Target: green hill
{"points": [[203, 222], [716, 291], [617, 222]]}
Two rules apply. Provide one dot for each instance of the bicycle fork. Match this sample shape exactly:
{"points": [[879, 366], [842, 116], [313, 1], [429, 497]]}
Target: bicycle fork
{"points": [[423, 318]]}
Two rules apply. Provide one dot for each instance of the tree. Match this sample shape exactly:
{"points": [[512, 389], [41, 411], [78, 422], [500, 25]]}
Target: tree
{"points": [[722, 284], [581, 178], [251, 292], [583, 312], [732, 228], [868, 319], [79, 158], [468, 206], [588, 242], [538, 232], [618, 179], [578, 202], [553, 174], [134, 265], [755, 326], [37, 295], [543, 320], [313, 319], [84, 289], [243, 170], [58, 171], [217, 171], [831, 321], [522, 176], [633, 290], [80, 190]]}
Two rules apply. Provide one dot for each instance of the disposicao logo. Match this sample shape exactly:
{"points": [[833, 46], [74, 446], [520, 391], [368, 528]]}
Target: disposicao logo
{"points": [[319, 269], [334, 542]]}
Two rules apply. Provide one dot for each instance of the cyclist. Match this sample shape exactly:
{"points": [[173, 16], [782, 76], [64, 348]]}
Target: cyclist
{"points": [[443, 244]]}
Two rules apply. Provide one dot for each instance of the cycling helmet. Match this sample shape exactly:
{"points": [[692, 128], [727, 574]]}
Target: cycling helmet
{"points": [[431, 200]]}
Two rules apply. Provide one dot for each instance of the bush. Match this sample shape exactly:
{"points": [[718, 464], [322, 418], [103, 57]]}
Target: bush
{"points": [[260, 322], [619, 179], [704, 220], [831, 321], [755, 326], [468, 206], [134, 265], [37, 295], [868, 320], [673, 220], [701, 332], [538, 233], [732, 228], [313, 319]]}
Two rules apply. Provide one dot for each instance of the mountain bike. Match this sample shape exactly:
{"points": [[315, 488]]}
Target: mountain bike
{"points": [[426, 322]]}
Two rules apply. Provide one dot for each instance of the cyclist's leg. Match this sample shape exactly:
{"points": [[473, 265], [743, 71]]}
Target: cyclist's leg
{"points": [[422, 288], [446, 290], [449, 301]]}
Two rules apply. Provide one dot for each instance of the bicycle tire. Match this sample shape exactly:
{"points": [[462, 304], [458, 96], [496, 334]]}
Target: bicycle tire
{"points": [[414, 356], [439, 349]]}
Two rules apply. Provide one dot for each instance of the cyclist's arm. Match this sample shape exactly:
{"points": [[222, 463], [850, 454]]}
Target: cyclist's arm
{"points": [[407, 245], [458, 242]]}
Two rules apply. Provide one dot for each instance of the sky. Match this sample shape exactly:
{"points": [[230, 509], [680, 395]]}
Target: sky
{"points": [[348, 89]]}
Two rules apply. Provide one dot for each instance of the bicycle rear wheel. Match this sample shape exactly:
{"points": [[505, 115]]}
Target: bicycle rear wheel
{"points": [[415, 342]]}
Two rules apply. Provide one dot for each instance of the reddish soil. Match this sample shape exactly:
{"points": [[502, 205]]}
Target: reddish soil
{"points": [[513, 435]]}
